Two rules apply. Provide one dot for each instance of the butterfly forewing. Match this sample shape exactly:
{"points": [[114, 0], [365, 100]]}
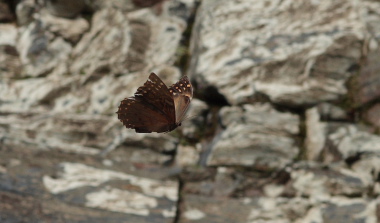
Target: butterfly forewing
{"points": [[182, 94], [156, 95]]}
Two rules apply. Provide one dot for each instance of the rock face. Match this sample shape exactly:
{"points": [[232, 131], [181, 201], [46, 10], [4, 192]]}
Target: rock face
{"points": [[284, 126], [296, 54], [255, 136]]}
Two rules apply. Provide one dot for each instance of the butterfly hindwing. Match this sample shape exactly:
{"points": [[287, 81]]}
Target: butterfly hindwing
{"points": [[182, 94], [140, 116]]}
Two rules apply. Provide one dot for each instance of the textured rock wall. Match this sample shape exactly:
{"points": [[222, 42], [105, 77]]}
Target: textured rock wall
{"points": [[284, 126]]}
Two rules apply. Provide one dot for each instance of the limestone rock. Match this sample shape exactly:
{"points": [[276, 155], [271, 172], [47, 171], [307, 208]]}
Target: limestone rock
{"points": [[194, 123], [315, 134], [39, 51], [365, 85], [70, 29], [282, 50], [372, 115], [255, 136], [283, 126], [65, 8], [24, 12], [350, 141]]}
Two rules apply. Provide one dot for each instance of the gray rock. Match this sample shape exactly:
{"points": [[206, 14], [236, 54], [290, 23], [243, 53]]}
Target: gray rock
{"points": [[36, 95], [129, 42], [193, 125], [143, 198], [70, 29], [10, 64], [39, 51], [331, 112], [186, 156], [368, 167], [365, 85], [213, 209], [65, 8], [96, 5], [24, 12], [223, 183], [106, 43], [350, 141], [220, 210], [372, 115], [264, 209], [320, 182], [8, 34], [49, 187], [348, 210], [315, 134], [255, 136], [82, 134], [279, 50], [277, 129], [55, 132]]}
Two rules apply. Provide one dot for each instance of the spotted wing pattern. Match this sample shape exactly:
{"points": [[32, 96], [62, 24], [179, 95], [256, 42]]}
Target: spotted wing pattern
{"points": [[182, 92]]}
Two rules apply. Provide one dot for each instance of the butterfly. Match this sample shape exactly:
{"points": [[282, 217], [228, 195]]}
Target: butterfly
{"points": [[155, 107]]}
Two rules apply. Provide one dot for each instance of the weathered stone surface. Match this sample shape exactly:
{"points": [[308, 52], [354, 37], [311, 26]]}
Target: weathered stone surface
{"points": [[40, 52], [315, 134], [8, 34], [48, 132], [255, 136], [83, 134], [106, 43], [372, 115], [208, 209], [194, 123], [365, 87], [349, 141], [43, 188], [24, 12], [186, 156], [295, 53], [65, 8], [263, 209], [37, 94], [282, 127], [331, 112], [141, 197], [368, 167], [321, 183], [223, 183], [70, 29], [10, 65], [130, 43]]}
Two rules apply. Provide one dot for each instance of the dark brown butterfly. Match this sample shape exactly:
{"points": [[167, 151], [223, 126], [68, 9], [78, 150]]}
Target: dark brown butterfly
{"points": [[155, 107]]}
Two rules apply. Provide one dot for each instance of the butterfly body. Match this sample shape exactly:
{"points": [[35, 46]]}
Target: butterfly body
{"points": [[155, 107]]}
